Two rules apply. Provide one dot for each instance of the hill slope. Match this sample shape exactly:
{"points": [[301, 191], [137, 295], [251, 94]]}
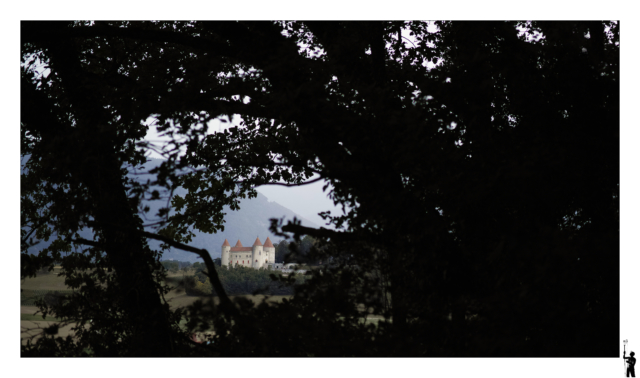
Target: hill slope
{"points": [[251, 221]]}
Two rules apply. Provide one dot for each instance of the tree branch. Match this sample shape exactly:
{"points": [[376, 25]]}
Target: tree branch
{"points": [[35, 31], [88, 242], [211, 269], [270, 162], [225, 301], [208, 103], [319, 232], [289, 185], [33, 229]]}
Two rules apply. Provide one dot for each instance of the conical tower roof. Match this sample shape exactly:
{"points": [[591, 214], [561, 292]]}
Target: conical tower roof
{"points": [[238, 244], [226, 243], [257, 242], [268, 243]]}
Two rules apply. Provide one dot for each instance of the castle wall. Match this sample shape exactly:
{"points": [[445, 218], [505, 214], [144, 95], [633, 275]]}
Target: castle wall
{"points": [[241, 256], [270, 256], [256, 257]]}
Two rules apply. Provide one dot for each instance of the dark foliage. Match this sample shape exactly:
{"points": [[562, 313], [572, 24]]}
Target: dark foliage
{"points": [[481, 196], [296, 251], [241, 281]]}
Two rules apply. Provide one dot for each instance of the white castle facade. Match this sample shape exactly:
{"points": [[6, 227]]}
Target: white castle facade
{"points": [[257, 256]]}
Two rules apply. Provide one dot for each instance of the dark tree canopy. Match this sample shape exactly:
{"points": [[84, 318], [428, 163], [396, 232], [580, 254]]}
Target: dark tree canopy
{"points": [[481, 195]]}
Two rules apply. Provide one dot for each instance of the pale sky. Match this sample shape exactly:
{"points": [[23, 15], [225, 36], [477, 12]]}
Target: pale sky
{"points": [[306, 200]]}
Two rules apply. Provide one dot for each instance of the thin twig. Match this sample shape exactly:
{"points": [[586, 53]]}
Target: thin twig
{"points": [[282, 184]]}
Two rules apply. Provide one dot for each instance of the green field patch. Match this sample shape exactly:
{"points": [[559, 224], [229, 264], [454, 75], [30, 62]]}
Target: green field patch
{"points": [[31, 317], [45, 281], [29, 297]]}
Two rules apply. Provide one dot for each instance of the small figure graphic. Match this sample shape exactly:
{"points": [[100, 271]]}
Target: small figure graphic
{"points": [[631, 363]]}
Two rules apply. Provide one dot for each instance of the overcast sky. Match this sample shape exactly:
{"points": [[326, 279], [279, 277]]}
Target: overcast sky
{"points": [[306, 200]]}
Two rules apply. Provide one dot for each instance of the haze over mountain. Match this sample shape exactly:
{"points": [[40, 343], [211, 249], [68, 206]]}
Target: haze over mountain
{"points": [[306, 200], [251, 221]]}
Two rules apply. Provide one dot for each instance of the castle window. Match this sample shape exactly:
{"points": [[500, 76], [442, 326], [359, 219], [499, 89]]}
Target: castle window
{"points": [[259, 253], [256, 260]]}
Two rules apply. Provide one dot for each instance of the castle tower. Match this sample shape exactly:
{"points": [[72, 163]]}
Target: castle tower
{"points": [[224, 256], [257, 254], [270, 252]]}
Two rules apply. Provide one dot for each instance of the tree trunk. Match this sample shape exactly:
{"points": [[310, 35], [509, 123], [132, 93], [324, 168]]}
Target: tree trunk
{"points": [[90, 158]]}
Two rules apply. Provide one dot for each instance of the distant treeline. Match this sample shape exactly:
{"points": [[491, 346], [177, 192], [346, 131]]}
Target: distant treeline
{"points": [[241, 280], [174, 266], [31, 297], [298, 252]]}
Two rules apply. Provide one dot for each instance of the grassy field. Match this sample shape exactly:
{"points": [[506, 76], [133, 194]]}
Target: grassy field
{"points": [[178, 298], [31, 325], [38, 286], [38, 317], [49, 281], [30, 329]]}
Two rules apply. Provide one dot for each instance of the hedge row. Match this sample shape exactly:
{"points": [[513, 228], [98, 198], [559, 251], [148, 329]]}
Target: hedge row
{"points": [[239, 281], [29, 297]]}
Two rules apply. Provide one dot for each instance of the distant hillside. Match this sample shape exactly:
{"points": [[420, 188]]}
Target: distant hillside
{"points": [[251, 221]]}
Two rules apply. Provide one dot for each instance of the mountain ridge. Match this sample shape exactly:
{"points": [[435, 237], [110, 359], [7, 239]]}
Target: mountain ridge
{"points": [[245, 224]]}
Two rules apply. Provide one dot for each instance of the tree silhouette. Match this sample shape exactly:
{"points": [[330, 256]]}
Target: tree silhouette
{"points": [[481, 195]]}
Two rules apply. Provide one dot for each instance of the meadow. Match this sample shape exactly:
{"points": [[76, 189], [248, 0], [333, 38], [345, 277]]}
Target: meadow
{"points": [[32, 322], [31, 289]]}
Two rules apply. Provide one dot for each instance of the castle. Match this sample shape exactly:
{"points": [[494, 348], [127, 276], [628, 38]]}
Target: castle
{"points": [[257, 256]]}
